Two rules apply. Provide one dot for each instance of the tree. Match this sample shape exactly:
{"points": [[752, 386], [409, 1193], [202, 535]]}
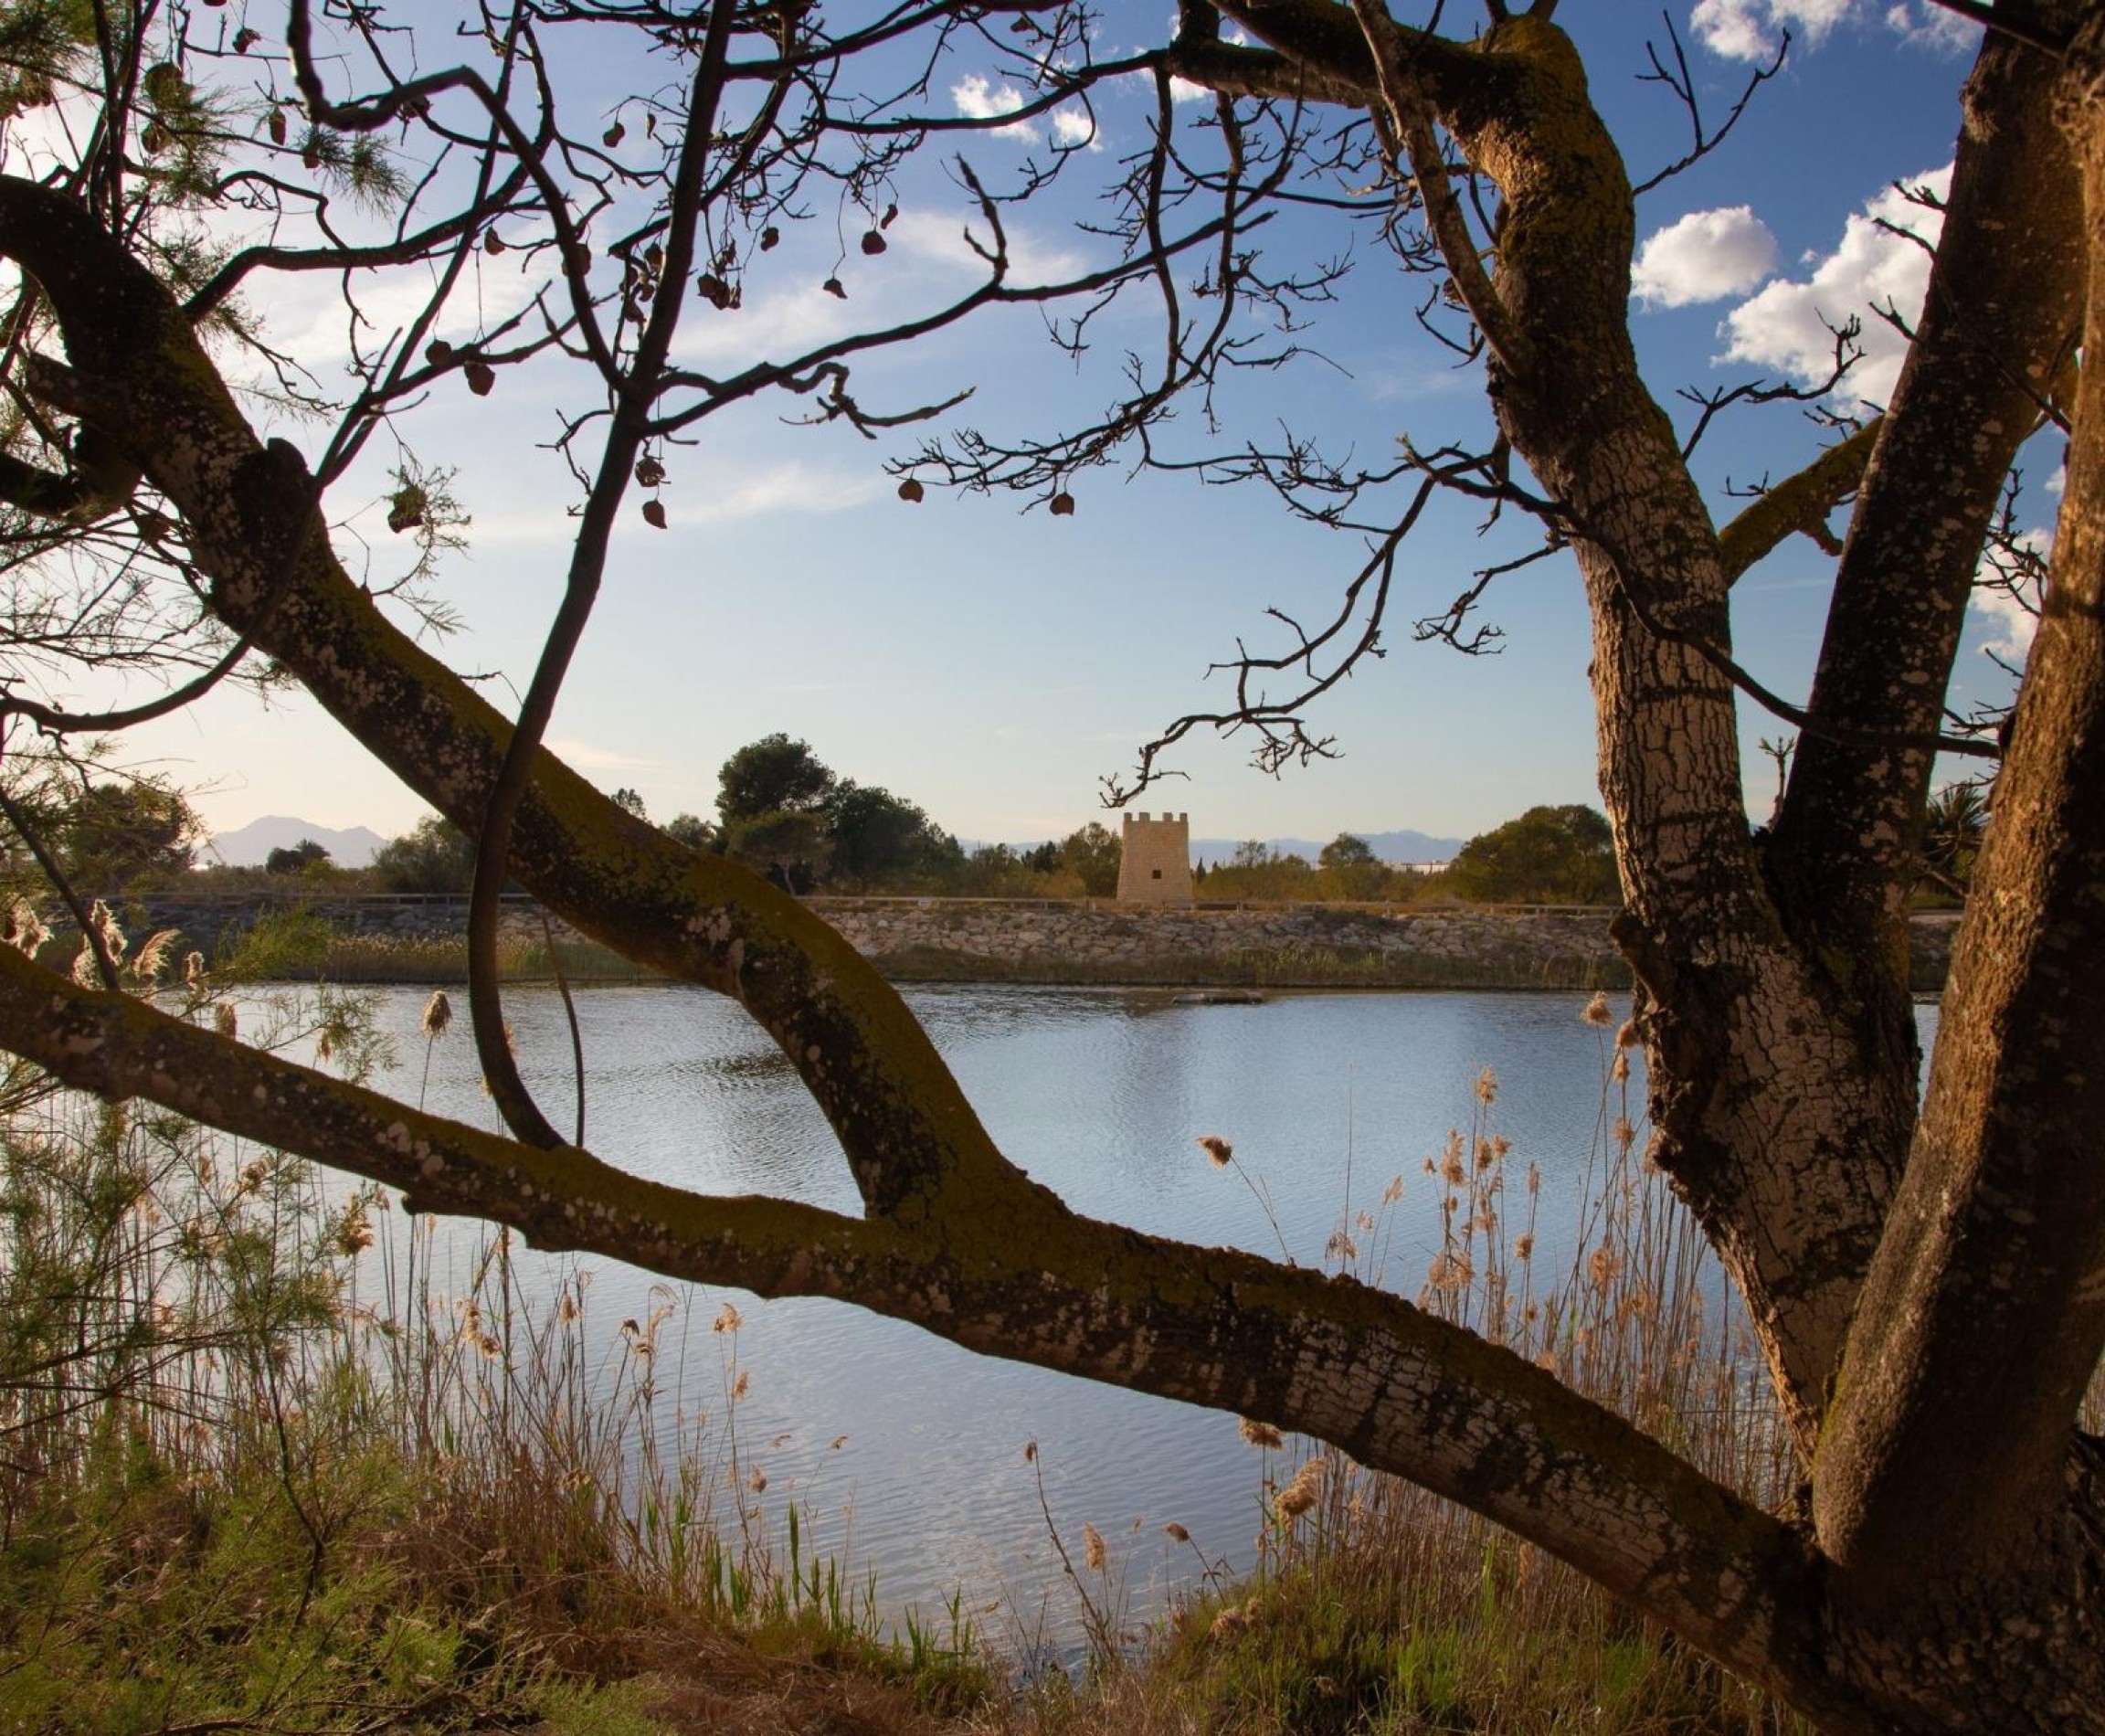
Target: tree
{"points": [[773, 774], [874, 838], [1951, 834], [114, 833], [1257, 871], [630, 802], [1092, 853], [1926, 1277], [1345, 851], [693, 830], [1547, 856], [792, 848], [1349, 869], [434, 855], [298, 859]]}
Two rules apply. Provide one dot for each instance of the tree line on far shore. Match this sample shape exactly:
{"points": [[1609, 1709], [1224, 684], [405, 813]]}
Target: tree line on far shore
{"points": [[784, 813]]}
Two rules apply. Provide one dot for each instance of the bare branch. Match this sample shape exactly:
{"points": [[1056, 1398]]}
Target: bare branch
{"points": [[1681, 82]]}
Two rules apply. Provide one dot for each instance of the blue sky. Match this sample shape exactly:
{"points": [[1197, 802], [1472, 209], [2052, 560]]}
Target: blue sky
{"points": [[992, 664]]}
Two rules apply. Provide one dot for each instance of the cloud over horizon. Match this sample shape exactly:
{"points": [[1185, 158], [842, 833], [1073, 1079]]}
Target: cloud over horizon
{"points": [[1751, 29], [1754, 29], [1704, 257], [1785, 326], [2012, 622]]}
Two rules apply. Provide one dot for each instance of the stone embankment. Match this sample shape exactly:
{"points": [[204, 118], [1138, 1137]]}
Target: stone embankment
{"points": [[1097, 941], [215, 921], [1275, 945]]}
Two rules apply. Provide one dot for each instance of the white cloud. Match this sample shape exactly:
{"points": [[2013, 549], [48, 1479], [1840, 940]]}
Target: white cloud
{"points": [[780, 326], [1923, 25], [941, 238], [790, 487], [2012, 622], [978, 99], [586, 757], [1074, 126], [1873, 268], [1706, 256], [1751, 29], [697, 493]]}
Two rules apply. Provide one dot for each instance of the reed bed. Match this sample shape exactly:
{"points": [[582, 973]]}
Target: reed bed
{"points": [[302, 946], [1377, 1608], [263, 1463], [264, 1466]]}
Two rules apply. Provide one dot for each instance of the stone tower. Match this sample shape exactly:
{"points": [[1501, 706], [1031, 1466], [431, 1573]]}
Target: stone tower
{"points": [[1155, 867]]}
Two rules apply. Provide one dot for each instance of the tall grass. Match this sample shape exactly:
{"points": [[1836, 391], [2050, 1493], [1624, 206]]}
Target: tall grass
{"points": [[1375, 1607], [261, 1467], [263, 1463], [301, 944]]}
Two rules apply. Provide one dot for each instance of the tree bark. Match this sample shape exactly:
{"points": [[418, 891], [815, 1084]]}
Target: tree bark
{"points": [[1983, 1318]]}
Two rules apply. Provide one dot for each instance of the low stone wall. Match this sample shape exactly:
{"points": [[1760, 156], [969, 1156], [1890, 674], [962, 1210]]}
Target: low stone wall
{"points": [[1096, 941], [213, 924], [1310, 945]]}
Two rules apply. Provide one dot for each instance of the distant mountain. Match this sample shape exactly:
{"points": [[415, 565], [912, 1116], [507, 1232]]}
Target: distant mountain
{"points": [[1388, 846], [246, 846]]}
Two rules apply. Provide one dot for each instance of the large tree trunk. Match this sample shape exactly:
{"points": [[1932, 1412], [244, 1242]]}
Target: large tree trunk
{"points": [[1779, 1031]]}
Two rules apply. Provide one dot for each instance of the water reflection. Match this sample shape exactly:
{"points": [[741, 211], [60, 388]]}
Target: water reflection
{"points": [[1102, 1095]]}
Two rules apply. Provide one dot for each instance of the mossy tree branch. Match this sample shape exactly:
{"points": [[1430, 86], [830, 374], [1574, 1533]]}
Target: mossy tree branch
{"points": [[1799, 505]]}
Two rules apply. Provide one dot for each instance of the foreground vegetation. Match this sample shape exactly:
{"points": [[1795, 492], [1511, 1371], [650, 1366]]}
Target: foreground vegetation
{"points": [[257, 1471]]}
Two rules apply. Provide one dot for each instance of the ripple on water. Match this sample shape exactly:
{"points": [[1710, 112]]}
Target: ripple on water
{"points": [[1101, 1095]]}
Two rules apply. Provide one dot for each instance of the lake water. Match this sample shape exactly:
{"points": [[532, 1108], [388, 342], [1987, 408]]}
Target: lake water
{"points": [[1102, 1095]]}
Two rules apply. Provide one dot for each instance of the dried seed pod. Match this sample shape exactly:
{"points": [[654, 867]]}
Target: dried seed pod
{"points": [[654, 514], [770, 239], [911, 491], [832, 286], [873, 242], [492, 243], [482, 377], [437, 352], [274, 123], [613, 136], [1063, 504], [650, 472]]}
